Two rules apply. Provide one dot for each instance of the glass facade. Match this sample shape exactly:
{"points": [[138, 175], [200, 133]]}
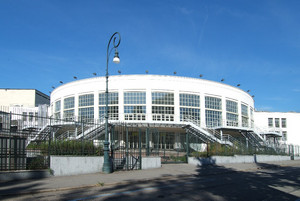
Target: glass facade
{"points": [[57, 109], [251, 117], [86, 107], [113, 105], [245, 116], [135, 112], [213, 118], [135, 98], [162, 98], [213, 111], [162, 112], [113, 112], [213, 103], [232, 115], [69, 104], [86, 100], [189, 100], [113, 98], [190, 108], [132, 105], [190, 115], [135, 105], [86, 114]]}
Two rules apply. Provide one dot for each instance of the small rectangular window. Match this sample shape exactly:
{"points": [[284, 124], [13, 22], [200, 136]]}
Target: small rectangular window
{"points": [[283, 122], [284, 136], [277, 123], [270, 122]]}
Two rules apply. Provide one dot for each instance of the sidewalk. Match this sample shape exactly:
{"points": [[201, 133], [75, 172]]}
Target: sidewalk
{"points": [[168, 171]]}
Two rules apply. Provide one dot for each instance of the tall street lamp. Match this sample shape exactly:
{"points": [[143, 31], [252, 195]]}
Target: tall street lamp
{"points": [[107, 165]]}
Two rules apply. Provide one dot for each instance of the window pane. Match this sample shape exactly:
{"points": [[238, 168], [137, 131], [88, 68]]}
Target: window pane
{"points": [[244, 110], [189, 100], [213, 103], [213, 118], [190, 115], [162, 98], [86, 100], [57, 106], [231, 106], [283, 122], [113, 112], [270, 122], [113, 98], [69, 103], [86, 114], [277, 123], [135, 98]]}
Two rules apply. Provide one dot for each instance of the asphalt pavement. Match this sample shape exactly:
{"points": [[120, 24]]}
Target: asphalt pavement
{"points": [[167, 171]]}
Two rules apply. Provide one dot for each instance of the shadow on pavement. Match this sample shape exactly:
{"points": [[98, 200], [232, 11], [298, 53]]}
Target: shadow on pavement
{"points": [[211, 182]]}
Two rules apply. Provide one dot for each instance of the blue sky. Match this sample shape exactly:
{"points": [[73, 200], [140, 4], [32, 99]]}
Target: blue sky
{"points": [[252, 43]]}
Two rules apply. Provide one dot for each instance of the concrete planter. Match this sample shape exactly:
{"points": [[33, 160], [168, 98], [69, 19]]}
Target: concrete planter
{"points": [[235, 159], [74, 165], [151, 162]]}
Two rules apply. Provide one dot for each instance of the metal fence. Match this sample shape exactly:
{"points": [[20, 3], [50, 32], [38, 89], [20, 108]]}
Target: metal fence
{"points": [[27, 141], [200, 148], [129, 143]]}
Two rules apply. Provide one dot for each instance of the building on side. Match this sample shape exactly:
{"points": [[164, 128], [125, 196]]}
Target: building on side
{"points": [[283, 124], [23, 98], [22, 108]]}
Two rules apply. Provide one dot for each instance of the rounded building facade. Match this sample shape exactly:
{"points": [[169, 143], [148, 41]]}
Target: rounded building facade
{"points": [[154, 99]]}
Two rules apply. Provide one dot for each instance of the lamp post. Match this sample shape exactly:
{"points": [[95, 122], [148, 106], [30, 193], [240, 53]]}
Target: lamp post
{"points": [[107, 166]]}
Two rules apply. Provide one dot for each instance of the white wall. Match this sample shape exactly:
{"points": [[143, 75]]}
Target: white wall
{"points": [[22, 97]]}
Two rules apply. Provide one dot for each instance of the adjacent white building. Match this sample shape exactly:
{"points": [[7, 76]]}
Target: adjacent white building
{"points": [[25, 106], [23, 98], [284, 123]]}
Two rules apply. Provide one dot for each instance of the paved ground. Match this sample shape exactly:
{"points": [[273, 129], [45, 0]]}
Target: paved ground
{"points": [[277, 178]]}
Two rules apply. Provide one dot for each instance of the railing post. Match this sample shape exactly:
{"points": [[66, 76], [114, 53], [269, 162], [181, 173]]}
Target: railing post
{"points": [[140, 147], [147, 142], [49, 143], [187, 146], [158, 137], [112, 142], [9, 148], [82, 130], [126, 145]]}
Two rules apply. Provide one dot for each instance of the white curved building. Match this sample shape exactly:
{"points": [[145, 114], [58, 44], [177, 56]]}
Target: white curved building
{"points": [[155, 99], [175, 106]]}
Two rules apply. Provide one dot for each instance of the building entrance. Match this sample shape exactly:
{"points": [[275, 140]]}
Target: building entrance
{"points": [[129, 144]]}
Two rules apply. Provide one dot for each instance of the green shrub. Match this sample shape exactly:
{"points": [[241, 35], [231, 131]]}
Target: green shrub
{"points": [[71, 147]]}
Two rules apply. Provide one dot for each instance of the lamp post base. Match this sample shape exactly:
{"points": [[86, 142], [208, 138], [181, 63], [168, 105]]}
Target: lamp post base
{"points": [[107, 165]]}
